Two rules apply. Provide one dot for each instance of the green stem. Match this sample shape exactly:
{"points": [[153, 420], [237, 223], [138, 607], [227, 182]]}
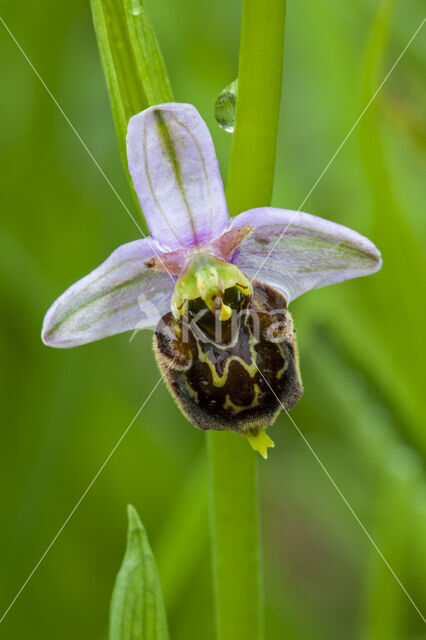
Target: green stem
{"points": [[251, 170], [235, 533], [234, 495]]}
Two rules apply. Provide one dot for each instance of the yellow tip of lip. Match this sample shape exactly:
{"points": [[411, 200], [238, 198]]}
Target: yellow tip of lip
{"points": [[260, 442]]}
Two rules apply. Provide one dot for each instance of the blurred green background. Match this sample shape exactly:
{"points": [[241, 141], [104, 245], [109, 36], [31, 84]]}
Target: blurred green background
{"points": [[362, 343]]}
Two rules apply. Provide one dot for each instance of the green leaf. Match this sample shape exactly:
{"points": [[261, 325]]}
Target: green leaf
{"points": [[133, 65], [149, 61], [137, 609]]}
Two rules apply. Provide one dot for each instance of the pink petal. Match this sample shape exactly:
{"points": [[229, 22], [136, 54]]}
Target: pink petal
{"points": [[175, 172], [121, 294], [296, 252]]}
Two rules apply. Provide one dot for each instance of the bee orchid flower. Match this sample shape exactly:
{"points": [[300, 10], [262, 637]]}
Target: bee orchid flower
{"points": [[216, 288]]}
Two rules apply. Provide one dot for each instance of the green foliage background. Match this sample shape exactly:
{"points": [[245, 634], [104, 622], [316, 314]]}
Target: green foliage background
{"points": [[362, 343]]}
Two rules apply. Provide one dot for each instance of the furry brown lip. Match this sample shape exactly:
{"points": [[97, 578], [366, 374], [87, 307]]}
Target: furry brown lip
{"points": [[240, 379]]}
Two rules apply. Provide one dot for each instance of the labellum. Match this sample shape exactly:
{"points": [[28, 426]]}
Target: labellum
{"points": [[234, 374]]}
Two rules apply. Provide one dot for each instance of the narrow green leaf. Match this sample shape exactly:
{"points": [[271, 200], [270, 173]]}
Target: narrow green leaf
{"points": [[149, 60], [125, 87], [137, 609], [133, 66]]}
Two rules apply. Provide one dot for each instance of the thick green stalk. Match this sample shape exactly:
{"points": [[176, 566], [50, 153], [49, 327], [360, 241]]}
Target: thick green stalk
{"points": [[234, 495], [251, 169], [235, 537]]}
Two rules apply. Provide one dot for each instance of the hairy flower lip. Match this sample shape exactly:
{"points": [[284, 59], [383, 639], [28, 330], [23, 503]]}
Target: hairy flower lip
{"points": [[176, 176], [218, 381]]}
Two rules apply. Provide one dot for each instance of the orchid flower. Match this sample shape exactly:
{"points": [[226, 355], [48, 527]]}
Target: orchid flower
{"points": [[216, 288]]}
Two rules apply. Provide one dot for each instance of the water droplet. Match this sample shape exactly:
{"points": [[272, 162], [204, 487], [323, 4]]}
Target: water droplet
{"points": [[225, 107], [136, 7]]}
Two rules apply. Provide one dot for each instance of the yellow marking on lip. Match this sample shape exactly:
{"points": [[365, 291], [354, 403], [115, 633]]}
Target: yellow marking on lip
{"points": [[220, 381], [192, 391], [284, 367], [238, 408]]}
